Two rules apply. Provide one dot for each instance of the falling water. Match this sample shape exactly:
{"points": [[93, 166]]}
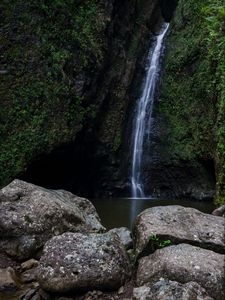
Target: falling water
{"points": [[142, 123]]}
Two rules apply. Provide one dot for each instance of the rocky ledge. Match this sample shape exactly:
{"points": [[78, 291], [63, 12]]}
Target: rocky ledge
{"points": [[178, 252]]}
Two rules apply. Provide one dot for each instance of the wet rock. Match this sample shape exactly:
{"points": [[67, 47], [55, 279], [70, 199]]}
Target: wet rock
{"points": [[29, 264], [125, 236], [75, 261], [28, 271], [220, 211], [185, 263], [179, 225], [31, 215], [44, 295], [8, 280], [29, 276], [29, 294], [172, 290], [35, 294]]}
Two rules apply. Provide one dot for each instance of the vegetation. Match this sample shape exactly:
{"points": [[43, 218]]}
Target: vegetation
{"points": [[48, 48], [53, 52], [215, 22], [194, 89], [158, 242]]}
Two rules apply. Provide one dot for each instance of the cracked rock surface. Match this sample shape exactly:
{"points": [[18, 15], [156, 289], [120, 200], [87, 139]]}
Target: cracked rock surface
{"points": [[75, 261], [179, 225], [165, 289], [185, 263]]}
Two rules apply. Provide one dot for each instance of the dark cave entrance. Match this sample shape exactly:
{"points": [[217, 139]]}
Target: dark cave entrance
{"points": [[71, 167]]}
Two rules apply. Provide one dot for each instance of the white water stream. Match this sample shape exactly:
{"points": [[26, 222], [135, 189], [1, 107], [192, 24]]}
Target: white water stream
{"points": [[143, 116]]}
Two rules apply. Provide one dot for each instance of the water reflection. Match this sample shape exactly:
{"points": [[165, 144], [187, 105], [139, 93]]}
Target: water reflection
{"points": [[122, 212]]}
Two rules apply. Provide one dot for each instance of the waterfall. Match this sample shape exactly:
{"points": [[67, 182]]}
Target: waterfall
{"points": [[142, 120]]}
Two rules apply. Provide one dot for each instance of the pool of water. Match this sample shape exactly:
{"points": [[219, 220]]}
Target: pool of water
{"points": [[122, 212]]}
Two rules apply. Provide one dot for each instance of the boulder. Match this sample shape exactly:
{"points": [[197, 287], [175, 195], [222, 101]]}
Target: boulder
{"points": [[29, 264], [172, 290], [31, 215], [75, 261], [176, 224], [142, 293], [125, 236], [220, 211], [8, 280], [185, 263]]}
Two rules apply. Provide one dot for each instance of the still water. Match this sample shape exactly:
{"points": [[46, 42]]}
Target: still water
{"points": [[122, 212]]}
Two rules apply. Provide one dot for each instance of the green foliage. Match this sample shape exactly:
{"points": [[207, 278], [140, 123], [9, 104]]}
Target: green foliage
{"points": [[186, 85], [47, 44], [193, 93], [157, 242], [82, 27], [215, 40]]}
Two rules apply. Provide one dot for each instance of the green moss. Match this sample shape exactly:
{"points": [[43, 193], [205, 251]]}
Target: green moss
{"points": [[193, 93], [46, 44], [216, 54]]}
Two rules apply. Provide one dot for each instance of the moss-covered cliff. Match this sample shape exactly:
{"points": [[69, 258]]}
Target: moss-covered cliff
{"points": [[193, 96], [66, 67], [47, 48]]}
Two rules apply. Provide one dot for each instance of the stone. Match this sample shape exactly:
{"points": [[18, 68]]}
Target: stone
{"points": [[75, 261], [29, 276], [8, 280], [220, 211], [172, 290], [185, 263], [31, 215], [141, 293], [125, 236], [29, 294], [177, 224], [6, 261], [121, 290], [29, 264]]}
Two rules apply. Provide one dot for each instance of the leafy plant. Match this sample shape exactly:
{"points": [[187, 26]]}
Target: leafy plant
{"points": [[158, 242]]}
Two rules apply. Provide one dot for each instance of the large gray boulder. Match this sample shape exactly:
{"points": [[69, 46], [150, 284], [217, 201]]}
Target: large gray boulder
{"points": [[75, 261], [185, 263], [31, 215], [179, 225], [166, 289]]}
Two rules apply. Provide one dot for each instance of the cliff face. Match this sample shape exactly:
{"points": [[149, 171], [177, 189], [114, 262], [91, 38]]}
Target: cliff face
{"points": [[192, 100], [66, 70]]}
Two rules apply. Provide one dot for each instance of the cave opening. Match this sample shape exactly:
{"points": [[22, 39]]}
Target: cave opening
{"points": [[70, 167]]}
